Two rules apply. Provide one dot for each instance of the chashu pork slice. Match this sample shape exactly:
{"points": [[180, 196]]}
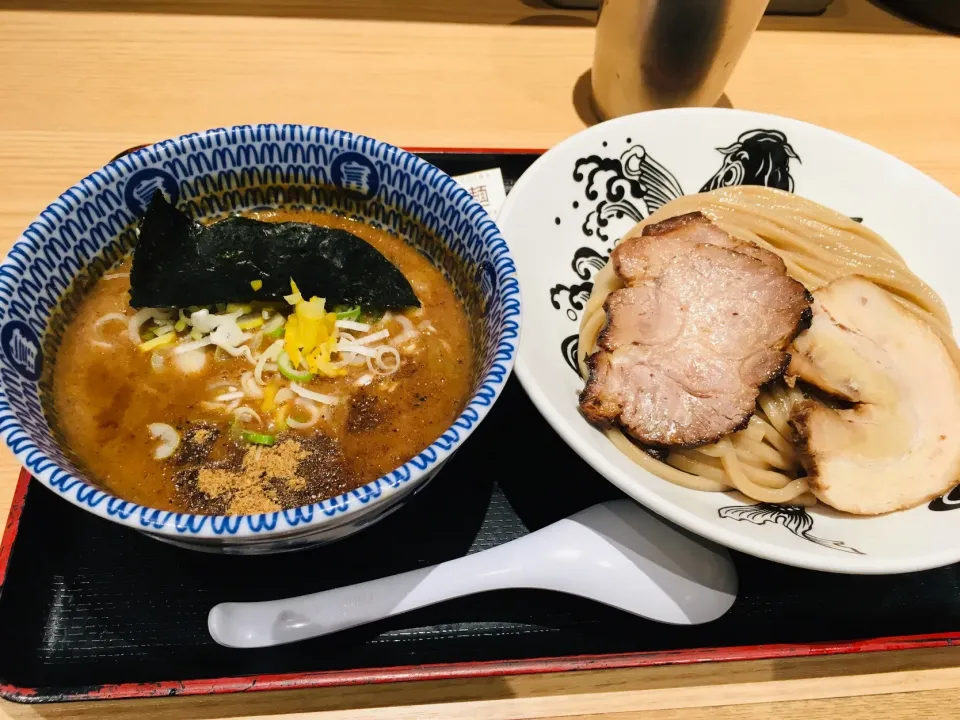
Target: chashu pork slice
{"points": [[688, 343], [899, 445], [644, 255]]}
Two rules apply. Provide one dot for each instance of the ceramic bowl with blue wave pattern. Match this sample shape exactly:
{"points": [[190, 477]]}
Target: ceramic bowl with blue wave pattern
{"points": [[90, 226]]}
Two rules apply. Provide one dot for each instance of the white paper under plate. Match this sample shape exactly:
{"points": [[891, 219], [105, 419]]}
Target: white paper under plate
{"points": [[486, 187]]}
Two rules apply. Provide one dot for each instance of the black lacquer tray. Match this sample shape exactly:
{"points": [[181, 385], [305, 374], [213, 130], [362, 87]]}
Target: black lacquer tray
{"points": [[89, 609]]}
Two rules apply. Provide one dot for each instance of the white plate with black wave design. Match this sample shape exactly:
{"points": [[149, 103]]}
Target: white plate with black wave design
{"points": [[563, 217]]}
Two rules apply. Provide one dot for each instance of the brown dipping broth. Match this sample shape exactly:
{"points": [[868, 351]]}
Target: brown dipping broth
{"points": [[105, 397]]}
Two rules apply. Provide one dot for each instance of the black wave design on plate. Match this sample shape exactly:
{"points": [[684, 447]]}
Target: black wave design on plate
{"points": [[598, 220], [794, 518], [569, 349], [616, 184], [948, 501], [758, 157], [630, 186], [577, 295], [586, 261]]}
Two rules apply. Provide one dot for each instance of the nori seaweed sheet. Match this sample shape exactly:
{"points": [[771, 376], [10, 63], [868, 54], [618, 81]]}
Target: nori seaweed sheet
{"points": [[178, 262]]}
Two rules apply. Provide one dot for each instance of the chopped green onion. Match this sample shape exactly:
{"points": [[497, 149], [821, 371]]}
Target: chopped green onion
{"points": [[371, 316], [274, 326], [347, 313], [290, 372], [181, 323], [256, 438], [256, 285]]}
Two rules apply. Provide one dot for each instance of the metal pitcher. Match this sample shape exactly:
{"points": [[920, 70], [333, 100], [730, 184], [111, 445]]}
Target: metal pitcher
{"points": [[654, 54]]}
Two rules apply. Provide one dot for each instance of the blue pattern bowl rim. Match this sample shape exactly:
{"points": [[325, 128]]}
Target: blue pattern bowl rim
{"points": [[307, 519]]}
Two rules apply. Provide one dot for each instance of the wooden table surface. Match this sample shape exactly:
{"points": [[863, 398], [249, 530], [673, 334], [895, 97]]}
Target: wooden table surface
{"points": [[82, 79]]}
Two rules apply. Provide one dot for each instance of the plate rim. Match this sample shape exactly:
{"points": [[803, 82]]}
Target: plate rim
{"points": [[653, 501]]}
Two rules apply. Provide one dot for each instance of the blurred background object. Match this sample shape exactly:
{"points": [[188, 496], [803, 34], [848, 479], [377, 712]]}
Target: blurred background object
{"points": [[941, 15], [652, 54], [797, 7], [775, 7], [938, 14]]}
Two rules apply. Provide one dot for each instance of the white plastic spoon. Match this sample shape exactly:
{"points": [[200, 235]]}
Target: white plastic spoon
{"points": [[614, 553]]}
